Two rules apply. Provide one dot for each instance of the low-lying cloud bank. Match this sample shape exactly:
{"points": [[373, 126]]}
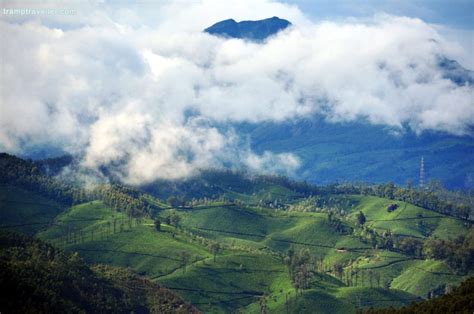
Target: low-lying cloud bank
{"points": [[146, 98]]}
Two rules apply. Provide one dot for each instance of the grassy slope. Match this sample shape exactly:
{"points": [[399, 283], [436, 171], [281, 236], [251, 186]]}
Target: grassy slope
{"points": [[307, 228], [155, 254], [407, 219], [232, 281], [26, 211], [423, 276], [87, 217]]}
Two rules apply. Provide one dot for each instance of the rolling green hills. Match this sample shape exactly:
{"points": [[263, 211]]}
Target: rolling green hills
{"points": [[254, 244], [250, 270]]}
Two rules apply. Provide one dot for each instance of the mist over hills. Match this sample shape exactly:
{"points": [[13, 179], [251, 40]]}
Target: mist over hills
{"points": [[358, 150], [189, 100], [349, 150]]}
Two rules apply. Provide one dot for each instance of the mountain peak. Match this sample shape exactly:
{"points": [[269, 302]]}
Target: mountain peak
{"points": [[252, 30]]}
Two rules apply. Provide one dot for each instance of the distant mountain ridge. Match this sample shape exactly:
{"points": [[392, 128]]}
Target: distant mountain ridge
{"points": [[252, 30], [362, 152]]}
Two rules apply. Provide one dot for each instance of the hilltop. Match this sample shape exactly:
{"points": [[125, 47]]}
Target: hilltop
{"points": [[252, 30]]}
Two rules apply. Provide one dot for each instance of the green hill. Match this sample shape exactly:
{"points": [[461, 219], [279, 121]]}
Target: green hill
{"points": [[228, 242], [26, 211], [39, 278], [133, 244], [250, 266]]}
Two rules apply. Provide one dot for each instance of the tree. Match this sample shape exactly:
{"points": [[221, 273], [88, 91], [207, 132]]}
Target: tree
{"points": [[338, 269], [361, 218], [263, 304], [463, 211], [434, 248], [410, 246], [174, 220], [214, 248], [174, 201], [157, 224], [185, 257], [389, 190], [392, 207]]}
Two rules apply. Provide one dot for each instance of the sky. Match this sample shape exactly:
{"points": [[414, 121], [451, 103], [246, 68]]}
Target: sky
{"points": [[126, 85], [455, 13]]}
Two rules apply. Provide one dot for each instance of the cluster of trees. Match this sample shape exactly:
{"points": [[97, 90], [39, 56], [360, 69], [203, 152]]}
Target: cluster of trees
{"points": [[180, 201], [26, 175], [336, 223], [213, 184], [458, 253], [173, 219], [300, 265], [124, 199], [324, 203], [372, 237], [53, 166], [272, 203]]}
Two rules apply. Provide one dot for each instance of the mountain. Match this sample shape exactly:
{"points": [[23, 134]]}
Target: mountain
{"points": [[252, 30], [358, 151]]}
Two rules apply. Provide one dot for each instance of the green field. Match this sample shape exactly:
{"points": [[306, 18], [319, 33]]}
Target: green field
{"points": [[249, 271], [407, 219]]}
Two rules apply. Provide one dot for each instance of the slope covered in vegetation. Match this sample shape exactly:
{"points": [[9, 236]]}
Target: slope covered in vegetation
{"points": [[37, 277], [228, 241]]}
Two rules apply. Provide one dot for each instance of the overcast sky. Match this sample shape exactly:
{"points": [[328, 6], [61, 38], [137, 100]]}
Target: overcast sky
{"points": [[454, 18]]}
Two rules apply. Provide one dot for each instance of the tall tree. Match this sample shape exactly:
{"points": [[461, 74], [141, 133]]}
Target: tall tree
{"points": [[214, 248], [157, 224], [361, 218]]}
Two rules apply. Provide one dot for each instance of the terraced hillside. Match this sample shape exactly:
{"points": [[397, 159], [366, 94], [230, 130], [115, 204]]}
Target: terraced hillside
{"points": [[249, 270], [254, 244]]}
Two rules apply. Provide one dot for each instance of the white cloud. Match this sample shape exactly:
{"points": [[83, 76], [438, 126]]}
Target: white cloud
{"points": [[120, 86]]}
